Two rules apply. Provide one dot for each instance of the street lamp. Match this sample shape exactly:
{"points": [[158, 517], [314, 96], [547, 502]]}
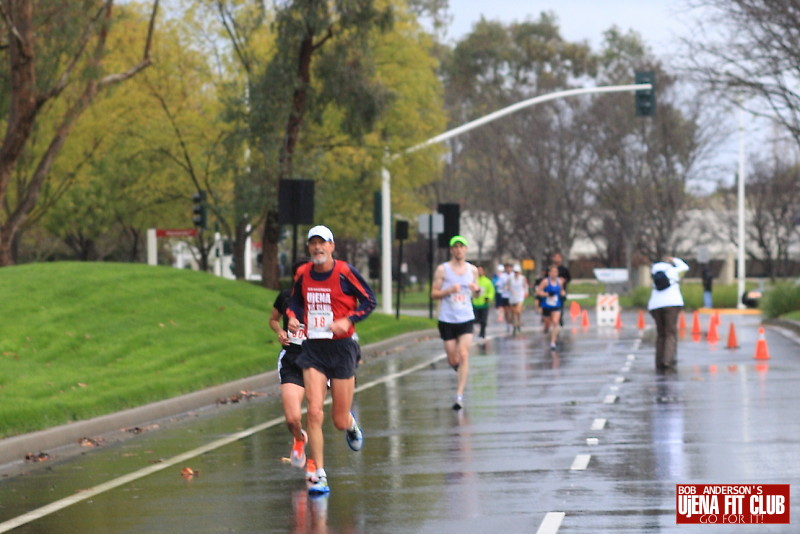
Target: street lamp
{"points": [[386, 218], [740, 202]]}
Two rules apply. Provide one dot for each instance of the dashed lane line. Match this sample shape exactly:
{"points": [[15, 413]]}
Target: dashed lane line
{"points": [[599, 423], [552, 520], [581, 462], [551, 523]]}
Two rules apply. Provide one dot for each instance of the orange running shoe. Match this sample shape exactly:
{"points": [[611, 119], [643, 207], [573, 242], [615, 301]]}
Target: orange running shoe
{"points": [[298, 456], [311, 471]]}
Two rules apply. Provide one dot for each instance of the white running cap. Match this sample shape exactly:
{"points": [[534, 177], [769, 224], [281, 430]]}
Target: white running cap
{"points": [[321, 231]]}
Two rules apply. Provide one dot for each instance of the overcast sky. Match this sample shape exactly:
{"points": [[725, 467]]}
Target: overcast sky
{"points": [[658, 21]]}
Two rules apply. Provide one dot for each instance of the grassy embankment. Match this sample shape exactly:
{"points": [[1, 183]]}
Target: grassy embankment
{"points": [[78, 340]]}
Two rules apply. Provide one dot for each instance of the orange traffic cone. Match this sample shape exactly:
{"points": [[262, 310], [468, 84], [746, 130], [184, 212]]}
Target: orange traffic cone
{"points": [[682, 321], [713, 335], [640, 324], [696, 324], [762, 352], [732, 342], [618, 324], [574, 311], [716, 317], [585, 319]]}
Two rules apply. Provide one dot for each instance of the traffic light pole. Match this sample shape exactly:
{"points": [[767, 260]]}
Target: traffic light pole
{"points": [[386, 179]]}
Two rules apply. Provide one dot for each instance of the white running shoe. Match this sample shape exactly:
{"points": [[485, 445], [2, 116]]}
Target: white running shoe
{"points": [[354, 437]]}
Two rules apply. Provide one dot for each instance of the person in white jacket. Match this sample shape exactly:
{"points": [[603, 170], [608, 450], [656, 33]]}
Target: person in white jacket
{"points": [[665, 306]]}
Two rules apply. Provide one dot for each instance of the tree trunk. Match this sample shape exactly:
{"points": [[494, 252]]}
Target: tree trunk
{"points": [[269, 264], [270, 275]]}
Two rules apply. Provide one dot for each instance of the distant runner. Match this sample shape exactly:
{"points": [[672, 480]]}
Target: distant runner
{"points": [[455, 283]]}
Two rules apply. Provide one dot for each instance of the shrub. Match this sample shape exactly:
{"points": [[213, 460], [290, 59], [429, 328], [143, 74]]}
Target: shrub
{"points": [[782, 298], [723, 296]]}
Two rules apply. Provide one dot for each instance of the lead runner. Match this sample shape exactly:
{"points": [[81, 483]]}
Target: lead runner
{"points": [[330, 296]]}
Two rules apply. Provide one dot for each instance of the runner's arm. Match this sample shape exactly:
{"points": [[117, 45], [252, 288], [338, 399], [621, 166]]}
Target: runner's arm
{"points": [[295, 310], [436, 287], [354, 284]]}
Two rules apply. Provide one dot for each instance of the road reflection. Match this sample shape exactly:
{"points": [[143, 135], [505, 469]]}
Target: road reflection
{"points": [[667, 429]]}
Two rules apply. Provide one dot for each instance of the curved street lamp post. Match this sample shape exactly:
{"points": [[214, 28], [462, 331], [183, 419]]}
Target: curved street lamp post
{"points": [[386, 231]]}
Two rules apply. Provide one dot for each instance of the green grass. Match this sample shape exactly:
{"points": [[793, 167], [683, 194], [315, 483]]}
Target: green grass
{"points": [[78, 340]]}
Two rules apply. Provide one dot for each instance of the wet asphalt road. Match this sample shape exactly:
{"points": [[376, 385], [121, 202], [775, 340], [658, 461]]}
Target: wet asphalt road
{"points": [[585, 439]]}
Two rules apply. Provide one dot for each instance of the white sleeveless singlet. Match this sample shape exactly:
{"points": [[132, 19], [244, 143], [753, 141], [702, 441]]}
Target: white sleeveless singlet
{"points": [[457, 307]]}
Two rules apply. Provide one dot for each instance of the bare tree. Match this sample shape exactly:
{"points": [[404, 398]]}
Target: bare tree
{"points": [[749, 55], [528, 169], [773, 205], [33, 86], [645, 164]]}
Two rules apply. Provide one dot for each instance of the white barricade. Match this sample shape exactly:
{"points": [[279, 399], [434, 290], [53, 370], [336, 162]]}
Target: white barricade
{"points": [[607, 309]]}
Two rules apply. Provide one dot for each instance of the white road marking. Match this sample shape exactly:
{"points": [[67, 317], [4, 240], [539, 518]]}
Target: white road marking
{"points": [[581, 462], [610, 399], [599, 424], [53, 507], [592, 441], [551, 523]]}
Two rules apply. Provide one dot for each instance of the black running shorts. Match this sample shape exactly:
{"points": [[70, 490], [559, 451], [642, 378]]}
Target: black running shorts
{"points": [[449, 331], [288, 370], [335, 358]]}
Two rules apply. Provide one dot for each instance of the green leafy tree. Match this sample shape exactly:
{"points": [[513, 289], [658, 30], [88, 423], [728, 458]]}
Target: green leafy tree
{"points": [[336, 91], [156, 141], [55, 67]]}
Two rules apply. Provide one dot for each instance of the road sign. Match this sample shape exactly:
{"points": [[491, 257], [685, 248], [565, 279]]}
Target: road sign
{"points": [[178, 232], [424, 223]]}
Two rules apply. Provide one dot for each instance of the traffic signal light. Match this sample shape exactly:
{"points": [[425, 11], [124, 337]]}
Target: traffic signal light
{"points": [[374, 267], [645, 98], [199, 210], [452, 218]]}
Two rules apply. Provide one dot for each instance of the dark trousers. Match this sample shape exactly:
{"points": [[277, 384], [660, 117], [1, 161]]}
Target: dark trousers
{"points": [[481, 316], [666, 320]]}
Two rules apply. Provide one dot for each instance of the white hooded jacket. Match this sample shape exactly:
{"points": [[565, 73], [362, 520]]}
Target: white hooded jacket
{"points": [[670, 296]]}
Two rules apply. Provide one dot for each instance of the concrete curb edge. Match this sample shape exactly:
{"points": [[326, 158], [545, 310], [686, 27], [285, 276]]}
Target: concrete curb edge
{"points": [[15, 448]]}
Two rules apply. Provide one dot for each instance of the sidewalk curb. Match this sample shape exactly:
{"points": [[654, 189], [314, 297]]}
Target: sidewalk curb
{"points": [[14, 449], [788, 324]]}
